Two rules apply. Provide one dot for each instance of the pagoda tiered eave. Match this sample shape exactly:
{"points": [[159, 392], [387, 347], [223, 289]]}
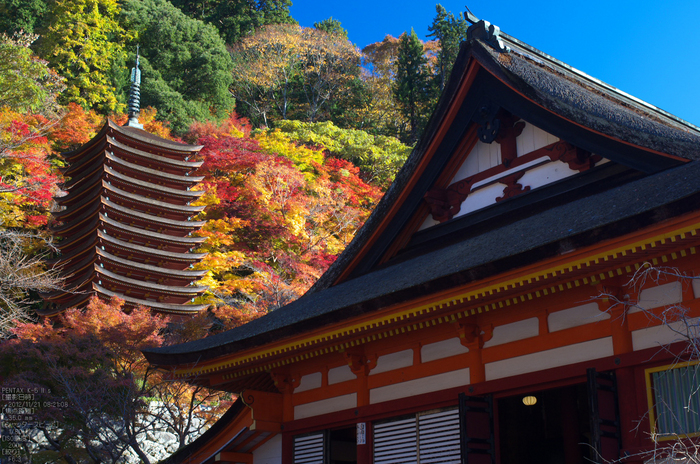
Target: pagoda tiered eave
{"points": [[155, 269], [146, 251], [126, 223], [149, 201], [153, 172], [158, 306]]}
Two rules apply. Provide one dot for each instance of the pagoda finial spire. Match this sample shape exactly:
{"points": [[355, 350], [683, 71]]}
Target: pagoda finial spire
{"points": [[134, 102]]}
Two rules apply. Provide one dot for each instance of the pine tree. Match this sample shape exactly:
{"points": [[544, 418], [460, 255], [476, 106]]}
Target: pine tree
{"points": [[412, 85], [450, 32]]}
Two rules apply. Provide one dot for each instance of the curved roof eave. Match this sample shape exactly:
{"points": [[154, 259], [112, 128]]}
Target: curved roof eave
{"points": [[186, 194], [189, 165], [151, 202], [154, 172], [149, 217], [147, 233], [148, 267], [171, 289], [166, 307], [145, 137], [186, 257]]}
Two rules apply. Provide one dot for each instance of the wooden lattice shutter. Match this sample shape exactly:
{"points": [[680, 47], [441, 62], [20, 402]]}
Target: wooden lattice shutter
{"points": [[310, 449], [395, 442], [438, 437]]}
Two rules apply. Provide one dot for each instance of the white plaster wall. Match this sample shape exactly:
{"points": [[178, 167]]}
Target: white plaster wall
{"points": [[574, 317], [482, 157], [520, 330], [533, 138], [309, 382], [481, 198], [664, 334], [442, 349], [429, 222], [339, 403], [390, 362], [548, 359], [428, 384], [660, 295], [270, 452], [696, 287], [340, 374], [546, 174]]}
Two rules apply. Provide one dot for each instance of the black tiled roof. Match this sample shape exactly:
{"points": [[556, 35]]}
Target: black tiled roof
{"points": [[579, 223]]}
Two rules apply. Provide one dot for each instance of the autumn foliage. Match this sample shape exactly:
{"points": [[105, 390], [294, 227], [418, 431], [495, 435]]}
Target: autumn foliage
{"points": [[102, 393], [277, 214]]}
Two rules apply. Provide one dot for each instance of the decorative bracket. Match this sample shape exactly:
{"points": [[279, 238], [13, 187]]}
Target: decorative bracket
{"points": [[513, 188], [285, 383], [489, 124], [443, 203], [577, 158], [473, 336], [360, 365]]}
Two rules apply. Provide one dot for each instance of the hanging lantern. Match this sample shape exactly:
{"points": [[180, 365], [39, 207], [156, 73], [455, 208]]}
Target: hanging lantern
{"points": [[529, 400]]}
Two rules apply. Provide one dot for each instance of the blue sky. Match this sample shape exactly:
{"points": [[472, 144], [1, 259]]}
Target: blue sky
{"points": [[649, 49]]}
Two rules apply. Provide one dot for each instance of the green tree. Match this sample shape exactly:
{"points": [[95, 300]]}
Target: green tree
{"points": [[331, 26], [26, 82], [236, 19], [412, 88], [449, 32], [84, 43], [187, 70], [379, 157], [22, 15]]}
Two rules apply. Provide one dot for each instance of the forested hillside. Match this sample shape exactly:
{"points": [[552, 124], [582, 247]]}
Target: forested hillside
{"points": [[302, 133]]}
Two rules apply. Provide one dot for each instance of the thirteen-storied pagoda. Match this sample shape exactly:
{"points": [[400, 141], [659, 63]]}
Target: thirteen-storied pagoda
{"points": [[125, 223]]}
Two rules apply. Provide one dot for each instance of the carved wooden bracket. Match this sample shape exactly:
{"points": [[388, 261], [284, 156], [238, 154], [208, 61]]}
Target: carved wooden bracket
{"points": [[513, 188], [443, 203], [284, 382], [577, 158], [473, 336], [359, 363]]}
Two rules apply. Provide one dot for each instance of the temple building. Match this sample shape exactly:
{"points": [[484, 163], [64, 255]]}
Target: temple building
{"points": [[524, 293], [124, 224]]}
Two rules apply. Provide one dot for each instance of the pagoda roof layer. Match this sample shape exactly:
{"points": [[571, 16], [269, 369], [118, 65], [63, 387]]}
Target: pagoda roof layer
{"points": [[148, 201], [158, 306], [187, 257], [189, 195], [150, 286], [149, 217], [154, 172], [147, 233], [147, 267], [150, 139], [188, 165]]}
